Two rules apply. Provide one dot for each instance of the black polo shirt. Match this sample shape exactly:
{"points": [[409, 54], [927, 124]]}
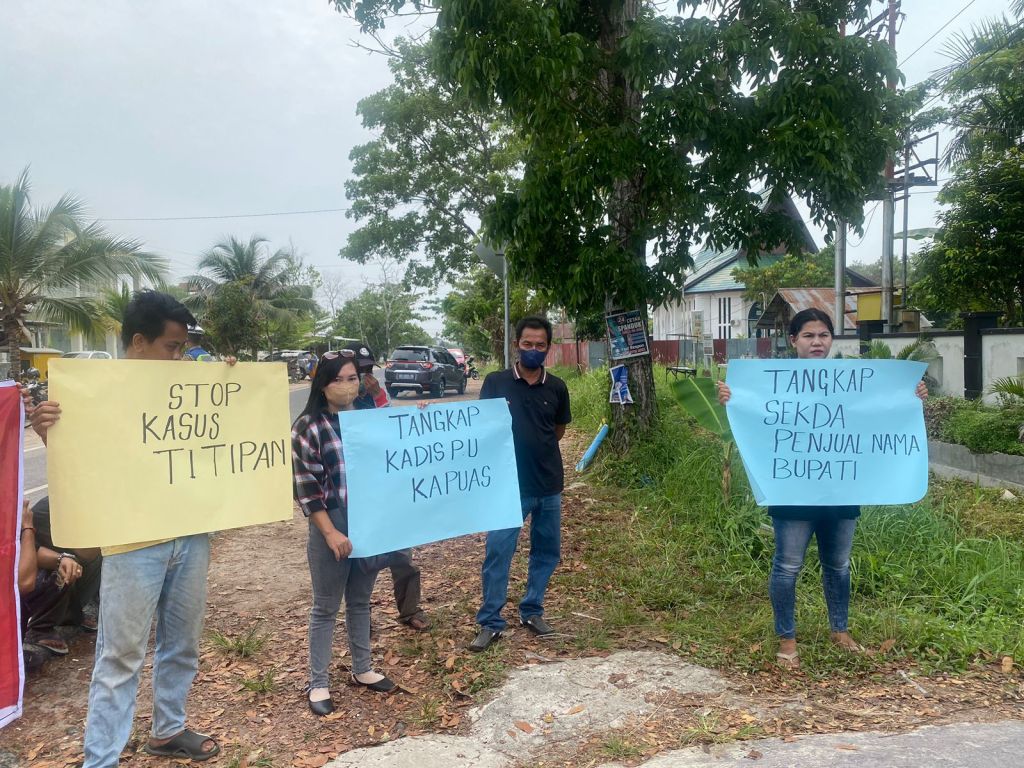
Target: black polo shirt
{"points": [[536, 410]]}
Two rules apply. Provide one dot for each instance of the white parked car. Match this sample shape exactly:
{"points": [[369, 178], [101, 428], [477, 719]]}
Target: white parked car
{"points": [[89, 354]]}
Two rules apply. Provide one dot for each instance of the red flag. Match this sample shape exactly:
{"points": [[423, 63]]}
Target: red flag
{"points": [[12, 669]]}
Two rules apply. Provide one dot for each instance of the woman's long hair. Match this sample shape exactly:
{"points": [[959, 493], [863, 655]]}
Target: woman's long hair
{"points": [[326, 372]]}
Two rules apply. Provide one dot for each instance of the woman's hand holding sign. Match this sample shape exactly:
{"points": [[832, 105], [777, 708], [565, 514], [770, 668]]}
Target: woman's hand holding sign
{"points": [[724, 393]]}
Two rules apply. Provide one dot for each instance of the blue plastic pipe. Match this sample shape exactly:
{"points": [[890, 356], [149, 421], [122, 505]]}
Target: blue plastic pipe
{"points": [[592, 450]]}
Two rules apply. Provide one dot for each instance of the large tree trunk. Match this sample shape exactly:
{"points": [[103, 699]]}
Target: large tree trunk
{"points": [[628, 422]]}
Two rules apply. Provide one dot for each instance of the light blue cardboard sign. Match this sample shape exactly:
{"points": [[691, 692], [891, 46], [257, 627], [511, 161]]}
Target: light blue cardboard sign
{"points": [[830, 432], [420, 475]]}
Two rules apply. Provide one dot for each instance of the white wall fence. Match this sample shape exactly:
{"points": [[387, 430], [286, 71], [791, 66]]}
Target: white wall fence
{"points": [[1002, 355]]}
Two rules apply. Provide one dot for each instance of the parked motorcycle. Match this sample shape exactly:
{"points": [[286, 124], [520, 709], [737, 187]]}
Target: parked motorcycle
{"points": [[37, 389], [471, 371], [296, 373]]}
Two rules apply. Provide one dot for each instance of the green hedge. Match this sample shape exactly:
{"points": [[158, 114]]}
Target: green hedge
{"points": [[981, 428]]}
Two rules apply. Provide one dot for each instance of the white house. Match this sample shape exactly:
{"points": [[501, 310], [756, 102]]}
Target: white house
{"points": [[712, 303]]}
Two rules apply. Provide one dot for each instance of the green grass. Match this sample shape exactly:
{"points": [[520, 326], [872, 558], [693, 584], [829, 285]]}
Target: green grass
{"points": [[245, 645], [943, 579], [265, 683]]}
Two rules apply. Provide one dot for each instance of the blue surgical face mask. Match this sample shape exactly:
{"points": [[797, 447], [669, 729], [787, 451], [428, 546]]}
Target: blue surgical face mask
{"points": [[532, 358]]}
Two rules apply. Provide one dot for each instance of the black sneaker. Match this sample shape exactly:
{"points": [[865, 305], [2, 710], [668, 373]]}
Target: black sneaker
{"points": [[484, 639], [538, 626]]}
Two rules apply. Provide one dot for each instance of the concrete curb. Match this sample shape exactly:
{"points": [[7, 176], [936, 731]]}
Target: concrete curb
{"points": [[992, 470]]}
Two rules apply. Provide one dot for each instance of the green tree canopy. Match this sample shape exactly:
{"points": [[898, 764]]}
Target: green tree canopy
{"points": [[383, 316], [474, 311], [983, 84], [273, 280], [642, 125], [813, 270], [976, 261], [50, 256], [421, 186], [232, 320]]}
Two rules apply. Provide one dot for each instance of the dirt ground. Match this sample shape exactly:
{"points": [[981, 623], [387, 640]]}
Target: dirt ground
{"points": [[256, 709]]}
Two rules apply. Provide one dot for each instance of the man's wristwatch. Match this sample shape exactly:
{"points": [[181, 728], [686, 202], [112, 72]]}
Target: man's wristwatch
{"points": [[62, 555]]}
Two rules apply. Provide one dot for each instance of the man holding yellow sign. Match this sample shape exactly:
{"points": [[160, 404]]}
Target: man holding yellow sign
{"points": [[197, 449]]}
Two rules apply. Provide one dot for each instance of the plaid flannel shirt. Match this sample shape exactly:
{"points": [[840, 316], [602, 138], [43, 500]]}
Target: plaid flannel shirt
{"points": [[318, 464]]}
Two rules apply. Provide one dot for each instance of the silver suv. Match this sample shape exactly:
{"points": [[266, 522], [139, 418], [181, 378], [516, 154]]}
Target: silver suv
{"points": [[423, 369]]}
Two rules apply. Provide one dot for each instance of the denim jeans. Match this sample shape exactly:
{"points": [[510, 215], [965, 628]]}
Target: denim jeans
{"points": [[545, 552], [167, 581], [835, 540], [332, 580]]}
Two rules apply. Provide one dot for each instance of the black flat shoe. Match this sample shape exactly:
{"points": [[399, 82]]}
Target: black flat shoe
{"points": [[538, 626], [381, 686], [484, 639], [320, 708]]}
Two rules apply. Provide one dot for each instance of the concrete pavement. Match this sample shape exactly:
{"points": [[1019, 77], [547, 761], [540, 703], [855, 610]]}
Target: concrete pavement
{"points": [[560, 705]]}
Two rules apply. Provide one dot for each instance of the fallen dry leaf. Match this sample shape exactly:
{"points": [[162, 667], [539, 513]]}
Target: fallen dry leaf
{"points": [[847, 747], [576, 710], [523, 726], [754, 755], [887, 645], [1007, 665]]}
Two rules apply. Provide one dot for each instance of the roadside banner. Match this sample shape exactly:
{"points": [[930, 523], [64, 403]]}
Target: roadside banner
{"points": [[12, 669], [149, 450], [627, 334], [417, 475], [830, 432]]}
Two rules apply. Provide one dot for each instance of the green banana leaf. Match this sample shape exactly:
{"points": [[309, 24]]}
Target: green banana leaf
{"points": [[699, 397]]}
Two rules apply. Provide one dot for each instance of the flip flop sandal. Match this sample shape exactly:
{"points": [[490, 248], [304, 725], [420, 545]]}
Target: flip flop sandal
{"points": [[790, 660], [188, 744]]}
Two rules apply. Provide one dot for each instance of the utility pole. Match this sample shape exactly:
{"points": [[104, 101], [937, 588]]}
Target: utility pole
{"points": [[888, 204], [839, 317]]}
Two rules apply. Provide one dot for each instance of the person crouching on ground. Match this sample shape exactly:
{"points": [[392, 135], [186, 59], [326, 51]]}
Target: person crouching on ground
{"points": [[810, 333], [320, 489]]}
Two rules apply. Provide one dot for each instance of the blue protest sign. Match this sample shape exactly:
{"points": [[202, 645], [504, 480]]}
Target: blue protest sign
{"points": [[830, 432], [420, 475]]}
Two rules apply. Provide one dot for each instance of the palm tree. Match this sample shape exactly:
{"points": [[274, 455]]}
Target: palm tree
{"points": [[983, 85], [48, 254], [270, 278]]}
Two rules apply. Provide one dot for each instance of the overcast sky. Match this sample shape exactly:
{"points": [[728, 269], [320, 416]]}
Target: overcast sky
{"points": [[198, 108]]}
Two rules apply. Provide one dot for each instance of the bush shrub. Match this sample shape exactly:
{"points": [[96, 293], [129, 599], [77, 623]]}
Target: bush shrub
{"points": [[985, 430]]}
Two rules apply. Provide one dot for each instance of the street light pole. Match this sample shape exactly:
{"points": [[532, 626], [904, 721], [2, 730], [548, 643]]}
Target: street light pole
{"points": [[497, 263], [504, 270]]}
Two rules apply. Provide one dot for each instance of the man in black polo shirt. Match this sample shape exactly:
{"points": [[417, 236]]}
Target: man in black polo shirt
{"points": [[539, 403]]}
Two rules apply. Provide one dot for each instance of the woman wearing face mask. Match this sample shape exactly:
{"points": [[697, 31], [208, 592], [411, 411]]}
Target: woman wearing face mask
{"points": [[810, 333], [319, 480]]}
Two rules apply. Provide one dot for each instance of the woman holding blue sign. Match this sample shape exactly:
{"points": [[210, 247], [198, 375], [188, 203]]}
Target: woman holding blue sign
{"points": [[810, 333], [320, 489]]}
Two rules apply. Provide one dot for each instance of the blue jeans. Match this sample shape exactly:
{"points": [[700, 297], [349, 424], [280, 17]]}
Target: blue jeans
{"points": [[835, 540], [167, 581], [545, 552]]}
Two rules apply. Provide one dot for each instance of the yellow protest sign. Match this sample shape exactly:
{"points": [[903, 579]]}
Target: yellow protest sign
{"points": [[148, 450]]}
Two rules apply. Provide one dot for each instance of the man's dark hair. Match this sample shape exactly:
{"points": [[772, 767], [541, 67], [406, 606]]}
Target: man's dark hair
{"points": [[535, 322], [805, 316], [148, 312]]}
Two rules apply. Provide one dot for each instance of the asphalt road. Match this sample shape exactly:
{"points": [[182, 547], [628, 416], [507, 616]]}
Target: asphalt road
{"points": [[34, 462]]}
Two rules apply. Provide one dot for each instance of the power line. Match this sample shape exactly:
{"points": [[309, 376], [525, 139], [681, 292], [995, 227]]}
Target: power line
{"points": [[937, 32], [228, 216]]}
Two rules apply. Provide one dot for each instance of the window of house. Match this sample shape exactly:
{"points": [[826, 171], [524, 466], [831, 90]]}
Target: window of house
{"points": [[725, 318]]}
